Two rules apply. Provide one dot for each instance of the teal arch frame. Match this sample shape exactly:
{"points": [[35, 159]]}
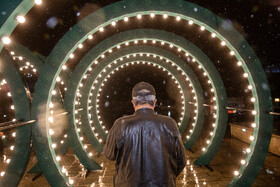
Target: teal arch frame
{"points": [[234, 41], [202, 59], [141, 49], [21, 101]]}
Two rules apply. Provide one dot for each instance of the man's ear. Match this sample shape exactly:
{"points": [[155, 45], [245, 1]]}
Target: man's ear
{"points": [[155, 103], [133, 103]]}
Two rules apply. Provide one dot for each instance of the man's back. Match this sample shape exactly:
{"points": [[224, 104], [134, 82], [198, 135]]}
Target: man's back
{"points": [[147, 148]]}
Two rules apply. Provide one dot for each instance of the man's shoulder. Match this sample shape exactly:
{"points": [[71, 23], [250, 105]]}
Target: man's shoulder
{"points": [[121, 120]]}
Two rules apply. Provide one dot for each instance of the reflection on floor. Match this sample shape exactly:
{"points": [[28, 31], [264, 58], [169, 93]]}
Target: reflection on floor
{"points": [[225, 162]]}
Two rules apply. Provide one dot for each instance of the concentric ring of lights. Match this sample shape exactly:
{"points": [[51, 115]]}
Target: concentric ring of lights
{"points": [[7, 157], [18, 161], [112, 71], [133, 63], [172, 45], [252, 85]]}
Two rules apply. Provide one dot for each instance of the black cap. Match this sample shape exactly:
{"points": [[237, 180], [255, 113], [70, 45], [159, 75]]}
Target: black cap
{"points": [[143, 89]]}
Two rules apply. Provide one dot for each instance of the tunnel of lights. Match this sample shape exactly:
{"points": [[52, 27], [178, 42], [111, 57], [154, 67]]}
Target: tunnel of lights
{"points": [[82, 87]]}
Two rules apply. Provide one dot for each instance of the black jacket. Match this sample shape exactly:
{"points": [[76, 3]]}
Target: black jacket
{"points": [[147, 148]]}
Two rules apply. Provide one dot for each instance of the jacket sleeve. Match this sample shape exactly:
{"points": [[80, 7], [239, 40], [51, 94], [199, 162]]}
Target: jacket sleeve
{"points": [[110, 148], [181, 155]]}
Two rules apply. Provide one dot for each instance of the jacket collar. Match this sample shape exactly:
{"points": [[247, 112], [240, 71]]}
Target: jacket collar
{"points": [[144, 110]]}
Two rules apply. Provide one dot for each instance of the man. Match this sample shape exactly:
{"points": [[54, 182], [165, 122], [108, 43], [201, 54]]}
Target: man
{"points": [[147, 147]]}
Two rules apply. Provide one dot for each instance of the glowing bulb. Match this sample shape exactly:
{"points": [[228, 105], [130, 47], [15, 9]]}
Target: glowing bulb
{"points": [[152, 15], [14, 134], [90, 154], [252, 138], [236, 173], [2, 173], [162, 43], [125, 18], [9, 94], [20, 19], [12, 147], [178, 18], [101, 29], [71, 55], [53, 92], [211, 133], [254, 125], [245, 75], [232, 53], [202, 28], [64, 67], [139, 16], [53, 145], [38, 2], [243, 162], [223, 43], [213, 35], [203, 149], [250, 87], [171, 46], [239, 63], [58, 79], [248, 150], [51, 132], [58, 158], [191, 22], [6, 40], [80, 46], [254, 112], [71, 181], [90, 37], [165, 16], [12, 107], [208, 141], [113, 23], [253, 99]]}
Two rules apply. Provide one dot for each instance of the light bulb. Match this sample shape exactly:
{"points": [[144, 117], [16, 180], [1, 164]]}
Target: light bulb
{"points": [[165, 16], [101, 29], [236, 173], [239, 63], [152, 15], [253, 99], [58, 158], [202, 28], [38, 2], [139, 16], [113, 23], [223, 43], [252, 138], [90, 37], [80, 46], [64, 67], [125, 19], [254, 125], [71, 55], [178, 18], [243, 162], [6, 40], [232, 53], [191, 22], [20, 19], [213, 35], [254, 112]]}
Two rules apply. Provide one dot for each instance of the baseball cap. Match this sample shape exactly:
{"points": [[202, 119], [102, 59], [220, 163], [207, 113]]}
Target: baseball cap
{"points": [[143, 89]]}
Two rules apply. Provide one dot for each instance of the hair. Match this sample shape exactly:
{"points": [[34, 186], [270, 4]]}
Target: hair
{"points": [[142, 100]]}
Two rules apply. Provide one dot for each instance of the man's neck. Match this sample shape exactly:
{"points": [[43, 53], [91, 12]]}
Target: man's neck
{"points": [[143, 106]]}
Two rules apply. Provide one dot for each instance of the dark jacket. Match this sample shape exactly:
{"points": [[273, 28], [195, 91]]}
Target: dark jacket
{"points": [[147, 148]]}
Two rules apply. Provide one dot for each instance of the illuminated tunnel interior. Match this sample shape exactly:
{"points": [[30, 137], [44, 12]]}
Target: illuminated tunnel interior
{"points": [[68, 69]]}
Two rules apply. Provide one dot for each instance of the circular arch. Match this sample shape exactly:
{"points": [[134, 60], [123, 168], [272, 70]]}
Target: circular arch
{"points": [[251, 66]]}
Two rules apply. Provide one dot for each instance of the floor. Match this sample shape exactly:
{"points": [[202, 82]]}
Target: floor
{"points": [[225, 162]]}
